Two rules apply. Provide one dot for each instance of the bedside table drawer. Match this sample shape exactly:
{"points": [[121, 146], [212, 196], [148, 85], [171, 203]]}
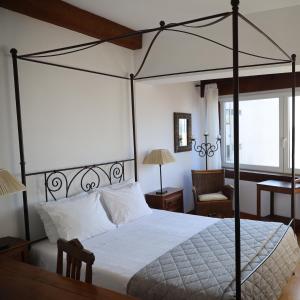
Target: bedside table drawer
{"points": [[171, 201], [173, 204], [16, 248]]}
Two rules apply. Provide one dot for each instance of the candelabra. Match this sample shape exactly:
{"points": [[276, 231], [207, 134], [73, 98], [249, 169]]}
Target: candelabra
{"points": [[207, 149]]}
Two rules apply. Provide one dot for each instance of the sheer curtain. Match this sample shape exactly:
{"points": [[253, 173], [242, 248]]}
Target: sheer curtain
{"points": [[212, 124]]}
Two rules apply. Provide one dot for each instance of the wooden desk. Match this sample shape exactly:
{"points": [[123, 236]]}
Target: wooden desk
{"points": [[20, 281], [274, 186]]}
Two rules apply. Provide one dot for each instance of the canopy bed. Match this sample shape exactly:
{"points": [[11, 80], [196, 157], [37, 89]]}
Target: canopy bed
{"points": [[55, 179]]}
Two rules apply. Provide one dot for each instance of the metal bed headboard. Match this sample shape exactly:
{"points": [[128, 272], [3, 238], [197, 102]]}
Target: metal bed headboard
{"points": [[59, 183]]}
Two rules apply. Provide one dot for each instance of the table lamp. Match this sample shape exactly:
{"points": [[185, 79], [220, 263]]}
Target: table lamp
{"points": [[159, 157], [9, 185]]}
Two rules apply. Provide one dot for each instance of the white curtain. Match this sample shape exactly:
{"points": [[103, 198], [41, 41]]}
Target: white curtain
{"points": [[212, 125]]}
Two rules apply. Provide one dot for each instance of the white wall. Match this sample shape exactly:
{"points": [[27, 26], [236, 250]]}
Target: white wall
{"points": [[155, 107], [69, 118], [72, 118]]}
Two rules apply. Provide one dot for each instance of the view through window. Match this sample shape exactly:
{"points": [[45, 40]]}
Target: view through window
{"points": [[265, 131]]}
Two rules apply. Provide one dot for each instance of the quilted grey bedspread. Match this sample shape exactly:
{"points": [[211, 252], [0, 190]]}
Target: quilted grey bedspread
{"points": [[203, 267]]}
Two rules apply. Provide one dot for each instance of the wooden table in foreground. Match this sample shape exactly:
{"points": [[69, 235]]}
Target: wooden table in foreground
{"points": [[274, 186], [20, 281]]}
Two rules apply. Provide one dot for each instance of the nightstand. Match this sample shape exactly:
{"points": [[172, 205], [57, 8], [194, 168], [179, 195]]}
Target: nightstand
{"points": [[15, 248], [171, 201]]}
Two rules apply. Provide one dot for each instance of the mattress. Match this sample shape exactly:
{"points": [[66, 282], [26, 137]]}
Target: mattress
{"points": [[122, 252]]}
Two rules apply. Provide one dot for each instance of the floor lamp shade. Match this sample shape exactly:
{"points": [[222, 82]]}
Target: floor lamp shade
{"points": [[9, 184], [159, 157]]}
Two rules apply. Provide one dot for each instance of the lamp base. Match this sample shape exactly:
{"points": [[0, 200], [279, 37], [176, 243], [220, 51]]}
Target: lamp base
{"points": [[161, 192]]}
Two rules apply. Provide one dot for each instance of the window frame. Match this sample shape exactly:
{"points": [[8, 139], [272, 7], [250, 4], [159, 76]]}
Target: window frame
{"points": [[287, 156], [284, 138]]}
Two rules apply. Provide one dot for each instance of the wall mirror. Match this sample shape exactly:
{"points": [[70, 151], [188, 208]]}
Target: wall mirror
{"points": [[182, 132]]}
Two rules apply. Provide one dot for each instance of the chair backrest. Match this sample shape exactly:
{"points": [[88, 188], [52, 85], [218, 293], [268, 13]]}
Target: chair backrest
{"points": [[208, 181], [76, 255]]}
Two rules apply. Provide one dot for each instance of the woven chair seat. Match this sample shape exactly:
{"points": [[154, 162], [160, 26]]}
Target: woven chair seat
{"points": [[212, 197]]}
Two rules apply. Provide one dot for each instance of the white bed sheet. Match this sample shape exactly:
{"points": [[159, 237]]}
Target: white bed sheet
{"points": [[122, 252]]}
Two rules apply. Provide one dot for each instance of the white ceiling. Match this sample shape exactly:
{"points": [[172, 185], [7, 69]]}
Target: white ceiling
{"points": [[140, 14]]}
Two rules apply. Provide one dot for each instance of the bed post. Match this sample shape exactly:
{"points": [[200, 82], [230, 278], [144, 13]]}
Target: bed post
{"points": [[293, 136], [133, 125], [235, 42], [20, 136]]}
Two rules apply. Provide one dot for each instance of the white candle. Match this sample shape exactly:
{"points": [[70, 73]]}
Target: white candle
{"points": [[206, 112]]}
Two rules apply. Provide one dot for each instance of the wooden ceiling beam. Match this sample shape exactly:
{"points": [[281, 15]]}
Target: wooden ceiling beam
{"points": [[68, 16]]}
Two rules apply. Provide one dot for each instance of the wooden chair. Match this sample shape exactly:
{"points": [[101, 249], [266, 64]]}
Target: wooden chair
{"points": [[211, 196], [76, 254]]}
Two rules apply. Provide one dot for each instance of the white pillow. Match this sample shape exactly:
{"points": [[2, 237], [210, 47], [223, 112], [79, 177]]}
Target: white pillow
{"points": [[115, 186], [126, 204], [112, 187], [50, 228], [80, 218]]}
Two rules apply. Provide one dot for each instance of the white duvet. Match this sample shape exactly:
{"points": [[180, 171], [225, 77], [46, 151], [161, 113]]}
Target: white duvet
{"points": [[122, 252]]}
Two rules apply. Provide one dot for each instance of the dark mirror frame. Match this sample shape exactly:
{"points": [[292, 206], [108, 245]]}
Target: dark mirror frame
{"points": [[188, 117]]}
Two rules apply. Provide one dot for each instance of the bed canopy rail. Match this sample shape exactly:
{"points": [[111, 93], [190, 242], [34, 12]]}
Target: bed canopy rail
{"points": [[37, 57], [34, 57], [73, 68], [210, 70], [138, 32], [266, 36]]}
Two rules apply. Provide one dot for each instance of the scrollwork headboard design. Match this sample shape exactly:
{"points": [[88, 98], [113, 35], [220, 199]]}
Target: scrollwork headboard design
{"points": [[60, 182]]}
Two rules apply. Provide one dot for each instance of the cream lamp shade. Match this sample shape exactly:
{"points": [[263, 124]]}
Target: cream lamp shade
{"points": [[9, 184], [159, 157]]}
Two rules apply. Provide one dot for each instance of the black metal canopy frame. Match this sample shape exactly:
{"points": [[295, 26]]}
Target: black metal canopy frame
{"points": [[173, 27]]}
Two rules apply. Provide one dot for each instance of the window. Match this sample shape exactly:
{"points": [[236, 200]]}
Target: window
{"points": [[265, 131]]}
